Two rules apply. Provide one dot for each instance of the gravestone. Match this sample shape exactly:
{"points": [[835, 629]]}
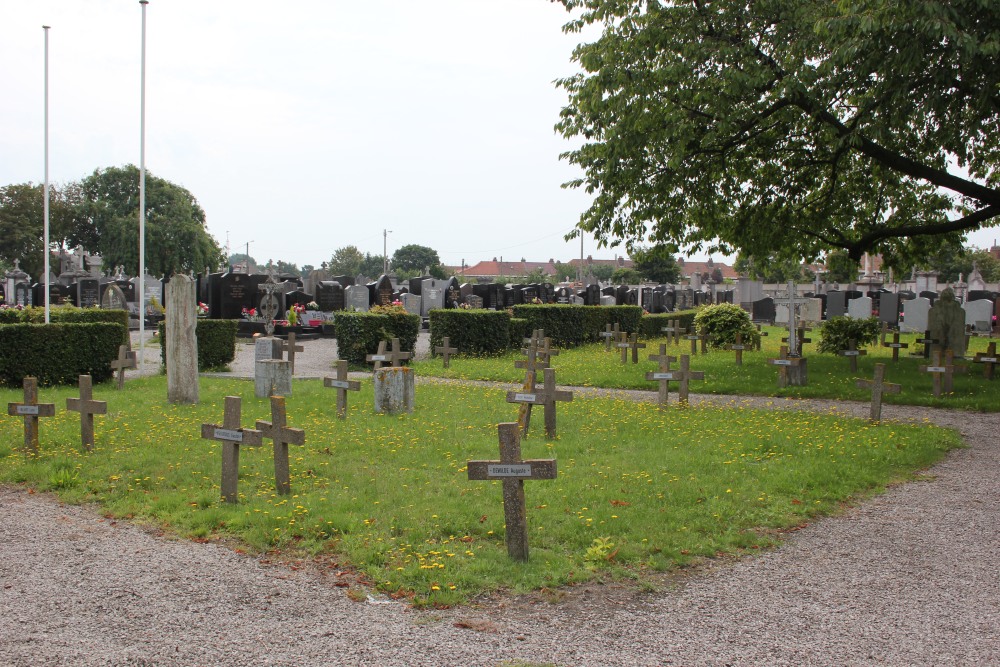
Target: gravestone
{"points": [[860, 308], [272, 377], [381, 294], [87, 407], [231, 434], [113, 298], [792, 371], [978, 312], [763, 310], [931, 296], [916, 314], [878, 387], [547, 396], [330, 296], [946, 322], [357, 297], [343, 385], [126, 360], [432, 295], [888, 309], [988, 359], [394, 390], [943, 370], [836, 304], [446, 350], [235, 295], [452, 293], [411, 303], [31, 410], [181, 343], [88, 293], [474, 301], [608, 301], [278, 432], [811, 311]]}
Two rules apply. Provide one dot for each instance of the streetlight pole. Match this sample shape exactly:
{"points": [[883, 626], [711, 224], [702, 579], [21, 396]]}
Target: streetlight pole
{"points": [[385, 251], [45, 242], [142, 190]]}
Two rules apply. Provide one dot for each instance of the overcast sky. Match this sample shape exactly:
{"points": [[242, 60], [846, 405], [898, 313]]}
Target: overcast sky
{"points": [[305, 126]]}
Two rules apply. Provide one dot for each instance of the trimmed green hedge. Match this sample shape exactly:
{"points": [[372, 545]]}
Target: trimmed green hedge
{"points": [[519, 330], [216, 343], [569, 326], [474, 332], [58, 353], [358, 334], [653, 325], [63, 315]]}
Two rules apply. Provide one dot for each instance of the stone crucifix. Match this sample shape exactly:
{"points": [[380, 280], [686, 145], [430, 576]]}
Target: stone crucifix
{"points": [[446, 350]]}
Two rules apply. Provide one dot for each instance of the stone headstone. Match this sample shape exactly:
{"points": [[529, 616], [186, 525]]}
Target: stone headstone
{"points": [[860, 308], [452, 293], [382, 295], [915, 315], [763, 310], [946, 322], [811, 310], [236, 292], [474, 301], [113, 298], [411, 302], [888, 309], [929, 295], [977, 312], [836, 304], [181, 343], [608, 301], [330, 296], [356, 297], [394, 390], [88, 292], [432, 295]]}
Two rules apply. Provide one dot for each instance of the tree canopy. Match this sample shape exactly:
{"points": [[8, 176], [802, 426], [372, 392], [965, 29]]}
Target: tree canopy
{"points": [[413, 259], [791, 126], [22, 219], [656, 264]]}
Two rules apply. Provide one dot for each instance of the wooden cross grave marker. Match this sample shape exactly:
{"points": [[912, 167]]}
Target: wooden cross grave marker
{"points": [[878, 386], [342, 385], [277, 431], [738, 348], [928, 343], [663, 375], [87, 407], [31, 410], [394, 356], [683, 375], [291, 348], [943, 373], [531, 366], [760, 333], [610, 334], [694, 338], [231, 435], [547, 396], [446, 350], [512, 470], [800, 335], [988, 359], [784, 362], [895, 345], [673, 331], [543, 347], [126, 359], [852, 352], [631, 343]]}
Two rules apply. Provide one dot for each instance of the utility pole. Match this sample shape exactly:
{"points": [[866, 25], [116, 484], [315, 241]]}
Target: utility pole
{"points": [[385, 250]]}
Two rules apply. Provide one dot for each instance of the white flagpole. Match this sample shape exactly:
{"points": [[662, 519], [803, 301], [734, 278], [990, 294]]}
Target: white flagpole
{"points": [[45, 240], [142, 192]]}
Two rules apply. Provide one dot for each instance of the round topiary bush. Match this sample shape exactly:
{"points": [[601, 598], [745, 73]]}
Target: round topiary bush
{"points": [[838, 332], [723, 321]]}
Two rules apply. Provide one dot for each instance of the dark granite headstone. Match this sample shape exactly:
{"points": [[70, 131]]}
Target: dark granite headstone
{"points": [[763, 310], [932, 296], [977, 295], [888, 309], [88, 292], [329, 296], [452, 293], [236, 292], [23, 295], [836, 304]]}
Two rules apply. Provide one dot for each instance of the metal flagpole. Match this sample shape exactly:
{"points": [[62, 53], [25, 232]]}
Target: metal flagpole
{"points": [[142, 191], [45, 241]]}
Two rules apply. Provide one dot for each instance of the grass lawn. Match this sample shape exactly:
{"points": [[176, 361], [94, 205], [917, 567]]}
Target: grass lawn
{"points": [[638, 489], [829, 375]]}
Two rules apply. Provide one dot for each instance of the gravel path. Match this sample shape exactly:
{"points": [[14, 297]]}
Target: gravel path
{"points": [[908, 578]]}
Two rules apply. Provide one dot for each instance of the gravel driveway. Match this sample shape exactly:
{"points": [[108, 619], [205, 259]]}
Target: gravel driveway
{"points": [[908, 578]]}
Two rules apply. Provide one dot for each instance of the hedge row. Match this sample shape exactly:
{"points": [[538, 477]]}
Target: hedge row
{"points": [[652, 325], [569, 326], [358, 334], [63, 315], [58, 353], [216, 343], [475, 332]]}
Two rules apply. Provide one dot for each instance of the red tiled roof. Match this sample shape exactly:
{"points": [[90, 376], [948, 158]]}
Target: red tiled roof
{"points": [[494, 268]]}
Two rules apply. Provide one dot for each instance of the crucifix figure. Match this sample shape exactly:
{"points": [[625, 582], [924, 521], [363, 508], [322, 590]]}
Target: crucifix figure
{"points": [[513, 471], [342, 385], [547, 397], [87, 407], [231, 435], [878, 386], [282, 436], [269, 303], [31, 410]]}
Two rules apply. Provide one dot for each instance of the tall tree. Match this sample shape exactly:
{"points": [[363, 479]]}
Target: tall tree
{"points": [[791, 125], [656, 264], [347, 261], [22, 218], [176, 238], [415, 258]]}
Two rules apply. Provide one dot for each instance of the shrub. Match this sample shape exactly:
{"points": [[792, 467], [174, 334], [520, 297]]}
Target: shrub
{"points": [[838, 332], [64, 315], [59, 353], [216, 343], [473, 332], [723, 321], [358, 334], [652, 325], [569, 326]]}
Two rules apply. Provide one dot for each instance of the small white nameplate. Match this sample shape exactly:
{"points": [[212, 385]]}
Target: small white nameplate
{"points": [[782, 362], [851, 353], [508, 470], [987, 360], [228, 434], [530, 398], [623, 344], [607, 334], [27, 409], [899, 345], [378, 357], [937, 369], [663, 376], [339, 384], [737, 347]]}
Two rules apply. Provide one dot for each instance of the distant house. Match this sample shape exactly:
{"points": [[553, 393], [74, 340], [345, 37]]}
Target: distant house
{"points": [[496, 271], [689, 268]]}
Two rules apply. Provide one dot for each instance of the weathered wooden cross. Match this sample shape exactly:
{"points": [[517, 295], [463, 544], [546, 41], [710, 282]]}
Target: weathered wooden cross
{"points": [[31, 410], [342, 385], [784, 362], [988, 359], [87, 407], [943, 373], [663, 375], [631, 343], [895, 345], [512, 470], [928, 343], [544, 348], [878, 386], [683, 376], [760, 333], [291, 348], [531, 366], [282, 436], [852, 352], [800, 333], [673, 331], [694, 338], [394, 356], [231, 435], [445, 350], [610, 334], [738, 348], [126, 359], [546, 396], [792, 303]]}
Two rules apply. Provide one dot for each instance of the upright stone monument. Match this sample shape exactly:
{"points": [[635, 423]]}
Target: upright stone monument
{"points": [[182, 343], [946, 322]]}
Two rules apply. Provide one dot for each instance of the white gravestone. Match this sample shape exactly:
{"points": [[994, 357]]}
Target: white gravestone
{"points": [[411, 303], [811, 310], [977, 312], [356, 296], [860, 308], [915, 315]]}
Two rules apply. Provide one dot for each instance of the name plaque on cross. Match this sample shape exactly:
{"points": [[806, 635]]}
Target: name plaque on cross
{"points": [[27, 410], [782, 362], [500, 470], [228, 434], [936, 369], [988, 360], [851, 353], [525, 398], [338, 384], [663, 376], [378, 357]]}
